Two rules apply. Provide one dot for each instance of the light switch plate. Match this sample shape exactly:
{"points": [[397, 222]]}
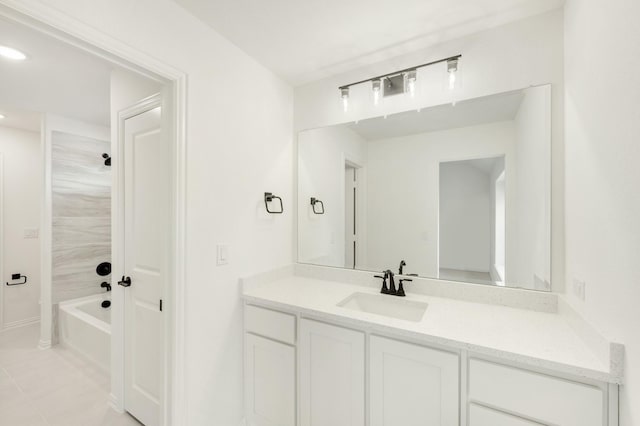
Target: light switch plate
{"points": [[30, 233], [222, 256]]}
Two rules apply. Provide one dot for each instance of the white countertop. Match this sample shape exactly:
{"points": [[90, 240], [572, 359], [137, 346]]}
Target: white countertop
{"points": [[539, 339]]}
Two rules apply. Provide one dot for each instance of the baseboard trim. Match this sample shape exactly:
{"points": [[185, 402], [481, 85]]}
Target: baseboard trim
{"points": [[115, 404], [21, 323], [44, 344]]}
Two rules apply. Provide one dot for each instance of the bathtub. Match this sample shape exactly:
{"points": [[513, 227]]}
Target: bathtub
{"points": [[85, 327]]}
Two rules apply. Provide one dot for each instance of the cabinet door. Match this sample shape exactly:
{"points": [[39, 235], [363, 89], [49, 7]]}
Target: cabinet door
{"points": [[412, 385], [270, 382], [331, 375], [483, 416]]}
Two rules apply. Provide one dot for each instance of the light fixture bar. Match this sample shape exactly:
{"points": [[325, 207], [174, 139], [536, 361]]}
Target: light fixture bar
{"points": [[346, 86]]}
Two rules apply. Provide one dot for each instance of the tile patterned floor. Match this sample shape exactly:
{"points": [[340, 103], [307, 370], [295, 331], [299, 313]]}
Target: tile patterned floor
{"points": [[51, 387]]}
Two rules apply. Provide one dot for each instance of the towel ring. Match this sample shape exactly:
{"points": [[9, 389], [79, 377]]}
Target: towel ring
{"points": [[315, 201], [269, 197]]}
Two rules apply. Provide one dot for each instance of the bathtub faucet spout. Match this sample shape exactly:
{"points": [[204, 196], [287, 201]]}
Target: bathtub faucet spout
{"points": [[106, 285]]}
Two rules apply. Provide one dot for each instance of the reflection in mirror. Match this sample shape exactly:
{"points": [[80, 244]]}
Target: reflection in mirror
{"points": [[472, 220], [459, 193]]}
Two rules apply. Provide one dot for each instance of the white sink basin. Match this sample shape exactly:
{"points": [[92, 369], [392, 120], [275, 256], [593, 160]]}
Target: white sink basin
{"points": [[386, 305]]}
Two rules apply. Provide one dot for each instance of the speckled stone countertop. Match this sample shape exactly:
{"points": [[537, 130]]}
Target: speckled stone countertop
{"points": [[532, 338]]}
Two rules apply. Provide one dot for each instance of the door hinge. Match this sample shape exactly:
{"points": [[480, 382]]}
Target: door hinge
{"points": [[160, 305]]}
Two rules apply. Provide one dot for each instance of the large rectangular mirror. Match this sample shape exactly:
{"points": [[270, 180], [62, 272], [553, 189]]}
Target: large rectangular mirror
{"points": [[458, 192]]}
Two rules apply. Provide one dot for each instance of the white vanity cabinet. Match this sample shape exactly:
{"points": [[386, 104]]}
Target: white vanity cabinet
{"points": [[269, 367], [332, 375], [299, 371], [412, 385]]}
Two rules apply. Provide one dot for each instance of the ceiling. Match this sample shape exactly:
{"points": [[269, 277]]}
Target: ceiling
{"points": [[483, 165], [55, 78], [304, 40], [488, 109]]}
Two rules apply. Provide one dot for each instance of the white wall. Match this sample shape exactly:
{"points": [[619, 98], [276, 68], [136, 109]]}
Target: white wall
{"points": [[465, 217], [603, 177], [513, 56], [239, 145], [127, 88], [532, 174], [20, 157], [402, 190], [321, 173]]}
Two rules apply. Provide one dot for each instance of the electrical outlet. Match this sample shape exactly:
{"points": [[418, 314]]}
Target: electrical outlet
{"points": [[222, 256], [579, 288]]}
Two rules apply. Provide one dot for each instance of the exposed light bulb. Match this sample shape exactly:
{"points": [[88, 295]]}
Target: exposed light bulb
{"points": [[412, 88], [376, 86], [452, 69], [410, 77], [344, 95], [11, 53]]}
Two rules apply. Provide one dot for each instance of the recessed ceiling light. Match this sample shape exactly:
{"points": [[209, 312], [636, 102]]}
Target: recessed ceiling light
{"points": [[11, 53], [1, 116]]}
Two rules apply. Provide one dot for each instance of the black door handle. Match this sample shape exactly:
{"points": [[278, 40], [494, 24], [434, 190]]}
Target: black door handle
{"points": [[125, 282]]}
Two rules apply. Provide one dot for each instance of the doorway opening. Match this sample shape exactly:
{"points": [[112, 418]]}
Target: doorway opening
{"points": [[472, 220], [78, 99]]}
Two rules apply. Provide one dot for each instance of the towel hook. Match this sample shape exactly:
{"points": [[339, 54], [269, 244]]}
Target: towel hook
{"points": [[315, 201], [269, 197]]}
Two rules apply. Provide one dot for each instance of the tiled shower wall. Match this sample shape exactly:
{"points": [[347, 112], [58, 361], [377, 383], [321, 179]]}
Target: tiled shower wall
{"points": [[81, 204]]}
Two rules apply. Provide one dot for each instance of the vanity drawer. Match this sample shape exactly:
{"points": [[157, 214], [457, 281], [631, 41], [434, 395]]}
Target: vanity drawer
{"points": [[536, 396], [272, 324], [483, 416]]}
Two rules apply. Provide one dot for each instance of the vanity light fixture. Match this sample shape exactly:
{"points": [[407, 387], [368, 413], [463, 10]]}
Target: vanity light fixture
{"points": [[393, 81], [11, 53]]}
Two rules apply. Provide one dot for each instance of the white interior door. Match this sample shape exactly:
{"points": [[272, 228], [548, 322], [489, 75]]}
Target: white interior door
{"points": [[145, 253]]}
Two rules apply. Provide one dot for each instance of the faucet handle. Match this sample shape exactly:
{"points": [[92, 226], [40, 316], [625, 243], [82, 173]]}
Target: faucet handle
{"points": [[384, 289], [400, 291]]}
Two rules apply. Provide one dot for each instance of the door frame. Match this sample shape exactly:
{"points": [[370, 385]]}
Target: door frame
{"points": [[361, 202], [2, 245], [51, 21]]}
